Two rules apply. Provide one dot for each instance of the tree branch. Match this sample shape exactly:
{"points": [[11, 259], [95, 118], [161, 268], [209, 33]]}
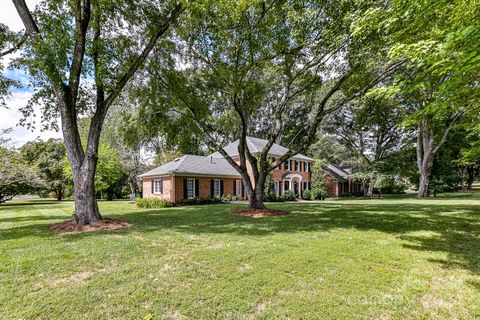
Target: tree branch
{"points": [[82, 19], [15, 47], [162, 29], [455, 118]]}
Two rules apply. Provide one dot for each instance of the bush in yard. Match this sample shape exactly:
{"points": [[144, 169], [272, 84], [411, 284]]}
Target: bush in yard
{"points": [[289, 195], [319, 187], [269, 197], [229, 197], [346, 195], [152, 203], [306, 195], [195, 201]]}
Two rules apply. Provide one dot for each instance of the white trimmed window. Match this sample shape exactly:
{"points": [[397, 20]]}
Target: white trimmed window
{"points": [[238, 188], [216, 188], [158, 186], [287, 165], [190, 188]]}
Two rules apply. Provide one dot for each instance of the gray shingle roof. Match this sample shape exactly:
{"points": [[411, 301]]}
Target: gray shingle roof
{"points": [[195, 165], [256, 145], [336, 172]]}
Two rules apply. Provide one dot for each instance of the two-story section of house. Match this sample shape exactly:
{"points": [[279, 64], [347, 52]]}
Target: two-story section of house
{"points": [[293, 174], [191, 176]]}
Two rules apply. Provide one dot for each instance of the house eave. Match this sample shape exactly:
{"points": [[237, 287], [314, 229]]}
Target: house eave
{"points": [[191, 174]]}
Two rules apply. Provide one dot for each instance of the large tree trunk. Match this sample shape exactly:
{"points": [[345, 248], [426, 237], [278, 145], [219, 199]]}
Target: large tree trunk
{"points": [[370, 189], [255, 200], [426, 150], [59, 194], [424, 182], [83, 162], [425, 156], [132, 185], [462, 178], [470, 176], [86, 207]]}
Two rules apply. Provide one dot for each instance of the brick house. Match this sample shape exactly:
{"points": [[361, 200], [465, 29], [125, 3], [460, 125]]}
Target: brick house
{"points": [[338, 180], [191, 176]]}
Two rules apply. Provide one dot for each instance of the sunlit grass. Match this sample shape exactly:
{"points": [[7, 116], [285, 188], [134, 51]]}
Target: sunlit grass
{"points": [[397, 257]]}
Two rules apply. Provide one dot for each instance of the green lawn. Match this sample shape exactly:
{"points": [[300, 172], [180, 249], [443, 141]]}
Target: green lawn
{"points": [[398, 258]]}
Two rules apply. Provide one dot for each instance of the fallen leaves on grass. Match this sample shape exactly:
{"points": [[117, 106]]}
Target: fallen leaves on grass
{"points": [[259, 213], [104, 224]]}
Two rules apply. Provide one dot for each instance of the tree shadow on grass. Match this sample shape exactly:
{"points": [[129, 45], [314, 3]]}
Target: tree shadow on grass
{"points": [[33, 202], [455, 228]]}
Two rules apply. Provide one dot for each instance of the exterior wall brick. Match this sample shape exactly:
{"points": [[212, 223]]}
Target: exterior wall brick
{"points": [[249, 169], [173, 185], [279, 173], [332, 186], [167, 188], [204, 186]]}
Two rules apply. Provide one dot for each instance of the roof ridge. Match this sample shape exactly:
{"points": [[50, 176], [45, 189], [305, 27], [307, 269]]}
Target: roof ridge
{"points": [[251, 143]]}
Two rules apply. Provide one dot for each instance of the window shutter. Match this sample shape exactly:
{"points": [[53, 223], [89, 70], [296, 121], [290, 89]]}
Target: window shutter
{"points": [[153, 181], [185, 191], [221, 187], [234, 187], [212, 188], [197, 185]]}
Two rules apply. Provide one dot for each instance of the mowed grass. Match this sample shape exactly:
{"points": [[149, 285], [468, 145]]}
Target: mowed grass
{"points": [[393, 258]]}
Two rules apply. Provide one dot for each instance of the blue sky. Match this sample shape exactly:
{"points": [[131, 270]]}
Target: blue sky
{"points": [[10, 117]]}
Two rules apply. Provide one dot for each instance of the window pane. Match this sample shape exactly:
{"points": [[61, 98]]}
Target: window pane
{"points": [[238, 188], [216, 188], [190, 188]]}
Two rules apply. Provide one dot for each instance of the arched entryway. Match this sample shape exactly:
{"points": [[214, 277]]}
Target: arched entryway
{"points": [[292, 181]]}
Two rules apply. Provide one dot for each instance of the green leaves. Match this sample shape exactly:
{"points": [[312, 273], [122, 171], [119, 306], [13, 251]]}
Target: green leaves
{"points": [[16, 176], [47, 158]]}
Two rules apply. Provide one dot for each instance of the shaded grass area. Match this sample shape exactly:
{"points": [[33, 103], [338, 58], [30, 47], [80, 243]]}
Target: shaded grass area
{"points": [[397, 257]]}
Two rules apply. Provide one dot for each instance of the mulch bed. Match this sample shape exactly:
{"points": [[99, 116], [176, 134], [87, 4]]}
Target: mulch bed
{"points": [[259, 213], [104, 224]]}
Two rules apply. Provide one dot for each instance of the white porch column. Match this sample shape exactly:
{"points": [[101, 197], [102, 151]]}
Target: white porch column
{"points": [[300, 187]]}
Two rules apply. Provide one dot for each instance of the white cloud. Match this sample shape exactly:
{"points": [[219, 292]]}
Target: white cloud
{"points": [[10, 117]]}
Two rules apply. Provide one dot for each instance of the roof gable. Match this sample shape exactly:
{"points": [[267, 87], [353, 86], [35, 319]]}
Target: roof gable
{"points": [[336, 172]]}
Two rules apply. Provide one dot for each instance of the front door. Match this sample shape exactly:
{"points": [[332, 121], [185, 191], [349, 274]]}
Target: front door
{"points": [[295, 188]]}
